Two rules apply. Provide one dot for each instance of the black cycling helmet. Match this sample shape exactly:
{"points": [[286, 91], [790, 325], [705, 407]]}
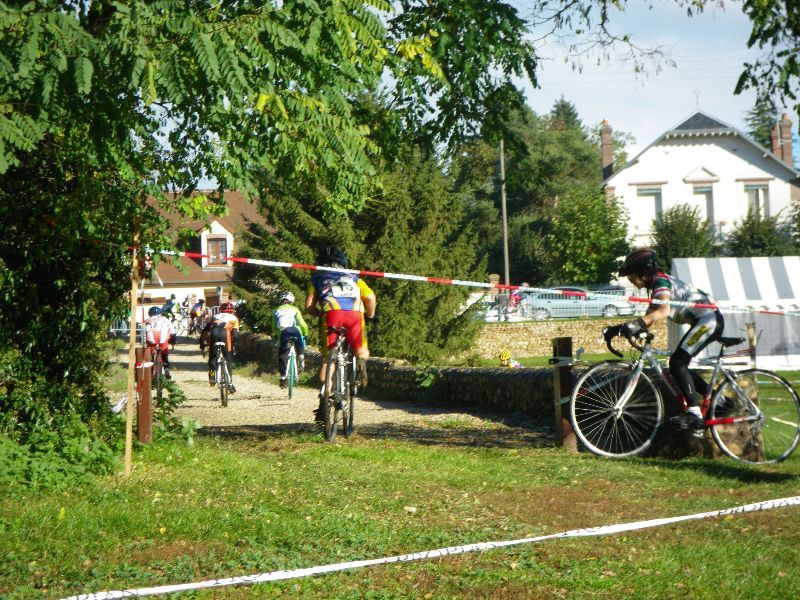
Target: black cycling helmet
{"points": [[638, 262], [332, 256]]}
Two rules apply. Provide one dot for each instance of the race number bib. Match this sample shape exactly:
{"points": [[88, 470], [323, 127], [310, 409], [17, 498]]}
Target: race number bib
{"points": [[344, 287]]}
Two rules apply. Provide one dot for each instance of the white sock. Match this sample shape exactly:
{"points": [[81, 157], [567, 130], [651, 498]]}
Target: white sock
{"points": [[695, 410]]}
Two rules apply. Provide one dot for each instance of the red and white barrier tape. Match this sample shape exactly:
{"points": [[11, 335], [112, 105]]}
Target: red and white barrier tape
{"points": [[482, 284], [452, 550]]}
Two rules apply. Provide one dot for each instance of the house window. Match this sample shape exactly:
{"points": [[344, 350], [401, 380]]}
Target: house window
{"points": [[758, 198], [650, 203], [217, 251]]}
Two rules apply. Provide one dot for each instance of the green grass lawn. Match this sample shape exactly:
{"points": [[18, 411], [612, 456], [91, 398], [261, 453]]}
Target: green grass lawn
{"points": [[225, 508]]}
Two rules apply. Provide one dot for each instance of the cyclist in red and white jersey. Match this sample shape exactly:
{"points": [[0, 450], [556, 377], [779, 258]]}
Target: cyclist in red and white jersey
{"points": [[705, 325], [159, 333]]}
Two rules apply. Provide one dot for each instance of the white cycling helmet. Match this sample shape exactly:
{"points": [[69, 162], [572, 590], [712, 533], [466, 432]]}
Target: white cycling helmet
{"points": [[287, 297]]}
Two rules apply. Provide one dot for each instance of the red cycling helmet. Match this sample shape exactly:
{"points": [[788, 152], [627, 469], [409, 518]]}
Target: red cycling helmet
{"points": [[227, 307]]}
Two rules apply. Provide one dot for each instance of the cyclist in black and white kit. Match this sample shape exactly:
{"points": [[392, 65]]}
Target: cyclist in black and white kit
{"points": [[705, 325]]}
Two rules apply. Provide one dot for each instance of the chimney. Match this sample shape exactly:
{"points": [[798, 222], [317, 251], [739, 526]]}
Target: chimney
{"points": [[606, 150], [775, 139], [786, 140]]}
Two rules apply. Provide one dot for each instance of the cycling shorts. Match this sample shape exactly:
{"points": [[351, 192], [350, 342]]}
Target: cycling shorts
{"points": [[353, 321]]}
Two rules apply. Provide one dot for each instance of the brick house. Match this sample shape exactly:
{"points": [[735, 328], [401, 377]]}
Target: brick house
{"points": [[208, 277]]}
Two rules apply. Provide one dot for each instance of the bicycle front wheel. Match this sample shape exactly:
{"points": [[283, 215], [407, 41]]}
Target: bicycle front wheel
{"points": [[610, 430], [757, 419], [223, 379]]}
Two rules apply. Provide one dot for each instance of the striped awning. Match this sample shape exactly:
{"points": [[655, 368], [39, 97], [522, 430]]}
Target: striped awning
{"points": [[756, 282]]}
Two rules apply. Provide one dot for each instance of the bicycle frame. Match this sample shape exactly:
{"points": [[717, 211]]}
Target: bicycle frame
{"points": [[649, 356]]}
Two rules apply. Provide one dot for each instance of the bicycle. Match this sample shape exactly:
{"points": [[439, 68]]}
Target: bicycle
{"points": [[158, 372], [340, 387], [223, 373], [196, 324], [617, 409], [291, 366]]}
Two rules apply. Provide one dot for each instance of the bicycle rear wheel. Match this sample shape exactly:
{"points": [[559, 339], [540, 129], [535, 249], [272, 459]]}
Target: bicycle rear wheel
{"points": [[603, 428], [349, 412], [223, 378], [760, 421], [291, 373], [159, 374], [333, 398]]}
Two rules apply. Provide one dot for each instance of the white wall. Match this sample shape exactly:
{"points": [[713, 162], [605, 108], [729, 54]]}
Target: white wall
{"points": [[729, 158]]}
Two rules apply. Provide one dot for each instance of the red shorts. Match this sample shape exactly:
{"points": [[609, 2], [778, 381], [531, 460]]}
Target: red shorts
{"points": [[353, 321]]}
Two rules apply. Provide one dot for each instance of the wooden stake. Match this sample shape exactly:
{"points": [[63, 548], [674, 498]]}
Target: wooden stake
{"points": [[132, 358]]}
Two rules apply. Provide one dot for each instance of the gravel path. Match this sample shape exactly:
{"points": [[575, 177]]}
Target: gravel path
{"points": [[260, 407]]}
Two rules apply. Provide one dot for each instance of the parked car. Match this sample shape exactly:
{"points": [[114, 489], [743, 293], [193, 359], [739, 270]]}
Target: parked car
{"points": [[573, 303]]}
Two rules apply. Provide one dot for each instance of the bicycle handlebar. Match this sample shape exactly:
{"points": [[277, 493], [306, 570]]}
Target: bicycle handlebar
{"points": [[638, 341]]}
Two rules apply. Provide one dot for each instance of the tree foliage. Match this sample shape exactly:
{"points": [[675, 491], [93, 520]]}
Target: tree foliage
{"points": [[414, 224], [106, 103], [775, 75], [760, 120], [679, 232], [757, 235], [586, 236]]}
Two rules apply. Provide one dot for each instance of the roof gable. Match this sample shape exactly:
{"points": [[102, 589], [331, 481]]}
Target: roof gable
{"points": [[700, 125], [701, 122]]}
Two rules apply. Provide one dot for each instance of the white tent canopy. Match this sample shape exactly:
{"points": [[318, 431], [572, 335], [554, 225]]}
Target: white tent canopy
{"points": [[757, 283]]}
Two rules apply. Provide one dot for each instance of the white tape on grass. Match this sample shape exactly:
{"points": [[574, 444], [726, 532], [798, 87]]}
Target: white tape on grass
{"points": [[357, 564]]}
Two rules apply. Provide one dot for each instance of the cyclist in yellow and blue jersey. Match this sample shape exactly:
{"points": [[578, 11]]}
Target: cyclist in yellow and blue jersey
{"points": [[342, 300], [288, 329]]}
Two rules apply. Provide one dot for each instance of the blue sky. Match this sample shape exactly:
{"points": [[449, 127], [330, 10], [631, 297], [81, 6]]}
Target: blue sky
{"points": [[708, 50]]}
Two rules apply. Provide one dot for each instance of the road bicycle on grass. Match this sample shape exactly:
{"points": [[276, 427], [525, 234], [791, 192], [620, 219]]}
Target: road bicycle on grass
{"points": [[617, 407], [340, 387]]}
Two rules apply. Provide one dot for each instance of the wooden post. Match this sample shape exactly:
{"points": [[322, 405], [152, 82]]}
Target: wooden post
{"points": [[751, 341], [144, 410], [563, 383], [132, 358]]}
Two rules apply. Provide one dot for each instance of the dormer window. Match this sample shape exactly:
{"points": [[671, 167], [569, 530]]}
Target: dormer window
{"points": [[217, 251]]}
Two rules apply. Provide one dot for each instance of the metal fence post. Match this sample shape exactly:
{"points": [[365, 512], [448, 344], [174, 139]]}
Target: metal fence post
{"points": [[563, 382], [144, 410]]}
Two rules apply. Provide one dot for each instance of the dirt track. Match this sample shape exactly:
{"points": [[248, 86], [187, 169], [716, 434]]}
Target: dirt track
{"points": [[260, 407]]}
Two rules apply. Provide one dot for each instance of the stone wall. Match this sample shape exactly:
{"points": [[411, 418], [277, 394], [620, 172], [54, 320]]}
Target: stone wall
{"points": [[533, 338]]}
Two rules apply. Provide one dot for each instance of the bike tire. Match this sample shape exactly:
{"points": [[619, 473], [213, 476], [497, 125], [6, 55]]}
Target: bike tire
{"points": [[332, 398], [223, 379], [605, 430], [159, 367], [291, 374], [349, 414], [768, 433]]}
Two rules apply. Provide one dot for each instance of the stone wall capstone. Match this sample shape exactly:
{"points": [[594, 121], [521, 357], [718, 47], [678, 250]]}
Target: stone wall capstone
{"points": [[534, 338]]}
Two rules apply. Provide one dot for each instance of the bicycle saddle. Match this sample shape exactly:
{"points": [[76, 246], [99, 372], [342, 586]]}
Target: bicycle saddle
{"points": [[730, 341]]}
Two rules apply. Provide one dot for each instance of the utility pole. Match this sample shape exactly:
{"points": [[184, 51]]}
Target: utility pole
{"points": [[507, 279]]}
